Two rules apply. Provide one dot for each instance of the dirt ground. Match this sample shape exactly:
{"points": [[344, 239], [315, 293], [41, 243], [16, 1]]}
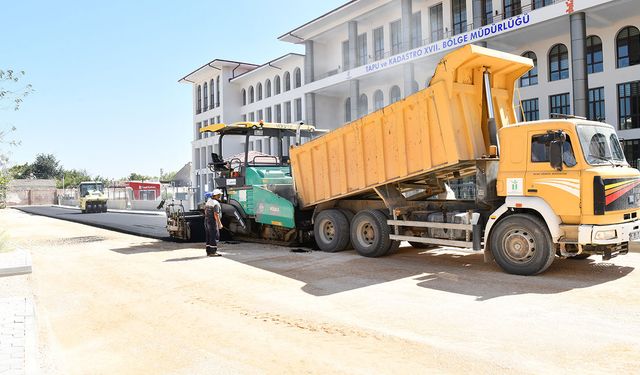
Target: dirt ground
{"points": [[109, 303]]}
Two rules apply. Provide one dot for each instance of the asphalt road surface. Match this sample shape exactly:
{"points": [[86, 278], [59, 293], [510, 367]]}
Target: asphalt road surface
{"points": [[151, 226], [111, 303]]}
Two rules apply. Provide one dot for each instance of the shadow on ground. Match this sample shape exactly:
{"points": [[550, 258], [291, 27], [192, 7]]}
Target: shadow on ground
{"points": [[153, 247]]}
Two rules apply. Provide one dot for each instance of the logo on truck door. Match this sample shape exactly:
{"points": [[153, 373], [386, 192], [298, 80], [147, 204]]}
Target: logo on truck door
{"points": [[515, 186]]}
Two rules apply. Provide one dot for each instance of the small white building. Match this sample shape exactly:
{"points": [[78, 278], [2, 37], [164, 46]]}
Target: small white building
{"points": [[367, 54]]}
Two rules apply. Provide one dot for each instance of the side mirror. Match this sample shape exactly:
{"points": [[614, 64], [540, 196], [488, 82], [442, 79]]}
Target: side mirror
{"points": [[555, 154]]}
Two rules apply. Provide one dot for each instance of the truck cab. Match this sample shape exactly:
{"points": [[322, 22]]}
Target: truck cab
{"points": [[572, 171]]}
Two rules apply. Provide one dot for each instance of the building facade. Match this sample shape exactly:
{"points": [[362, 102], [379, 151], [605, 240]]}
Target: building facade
{"points": [[367, 54]]}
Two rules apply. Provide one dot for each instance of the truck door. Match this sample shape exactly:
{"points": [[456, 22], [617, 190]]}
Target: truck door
{"points": [[560, 189]]}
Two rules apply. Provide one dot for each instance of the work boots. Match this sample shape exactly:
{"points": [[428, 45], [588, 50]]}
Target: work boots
{"points": [[212, 251]]}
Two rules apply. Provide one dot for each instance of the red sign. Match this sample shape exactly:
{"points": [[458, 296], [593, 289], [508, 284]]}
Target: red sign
{"points": [[569, 4]]}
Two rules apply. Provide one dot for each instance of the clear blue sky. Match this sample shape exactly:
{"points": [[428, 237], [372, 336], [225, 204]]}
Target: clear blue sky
{"points": [[111, 68]]}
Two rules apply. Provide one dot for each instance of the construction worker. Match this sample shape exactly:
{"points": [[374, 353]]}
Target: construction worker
{"points": [[212, 221]]}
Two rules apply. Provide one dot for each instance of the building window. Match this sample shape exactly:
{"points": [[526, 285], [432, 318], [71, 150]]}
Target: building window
{"points": [[594, 54], [530, 78], [244, 97], [244, 117], [459, 16], [199, 99], [416, 32], [396, 37], [278, 112], [260, 115], [345, 55], [541, 3], [363, 105], [436, 22], [268, 114], [252, 116], [205, 91], [414, 87], [596, 104], [361, 46], [378, 100], [394, 94], [530, 110], [267, 88], [512, 8], [297, 78], [251, 94], [276, 85], [287, 81], [378, 43], [259, 92], [218, 91], [628, 47], [558, 62], [629, 105], [347, 110], [632, 151], [287, 112], [298, 103], [560, 104], [486, 12], [211, 95]]}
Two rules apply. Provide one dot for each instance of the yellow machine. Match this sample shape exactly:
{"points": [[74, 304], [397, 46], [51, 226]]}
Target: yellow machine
{"points": [[92, 198], [558, 187]]}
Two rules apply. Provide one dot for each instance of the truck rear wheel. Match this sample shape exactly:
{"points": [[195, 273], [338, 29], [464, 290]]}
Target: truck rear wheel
{"points": [[370, 234], [331, 231], [522, 245]]}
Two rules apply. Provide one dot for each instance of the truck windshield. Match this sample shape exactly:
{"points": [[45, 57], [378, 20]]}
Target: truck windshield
{"points": [[86, 188], [600, 145]]}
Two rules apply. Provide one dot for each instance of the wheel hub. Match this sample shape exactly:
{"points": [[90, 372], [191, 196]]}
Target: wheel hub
{"points": [[328, 231], [367, 234], [519, 246]]}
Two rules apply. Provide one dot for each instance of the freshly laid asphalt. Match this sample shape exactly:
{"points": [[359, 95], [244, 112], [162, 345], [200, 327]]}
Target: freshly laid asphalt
{"points": [[146, 225]]}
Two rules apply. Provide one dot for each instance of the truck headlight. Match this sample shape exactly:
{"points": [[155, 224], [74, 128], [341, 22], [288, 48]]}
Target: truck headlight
{"points": [[606, 234]]}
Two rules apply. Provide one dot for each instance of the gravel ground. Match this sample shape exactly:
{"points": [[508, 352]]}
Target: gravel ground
{"points": [[110, 303]]}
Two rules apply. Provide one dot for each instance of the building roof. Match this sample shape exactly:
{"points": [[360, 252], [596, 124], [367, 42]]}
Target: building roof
{"points": [[216, 64], [268, 64]]}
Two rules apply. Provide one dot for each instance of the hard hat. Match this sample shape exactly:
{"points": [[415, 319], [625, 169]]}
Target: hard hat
{"points": [[216, 192]]}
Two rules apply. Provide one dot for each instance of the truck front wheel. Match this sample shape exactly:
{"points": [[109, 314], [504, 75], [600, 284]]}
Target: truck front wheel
{"points": [[331, 231], [370, 234], [522, 245]]}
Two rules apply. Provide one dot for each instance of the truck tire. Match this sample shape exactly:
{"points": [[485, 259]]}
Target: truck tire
{"points": [[331, 231], [370, 234], [521, 245], [349, 215]]}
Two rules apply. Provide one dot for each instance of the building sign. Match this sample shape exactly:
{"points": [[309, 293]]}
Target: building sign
{"points": [[455, 41]]}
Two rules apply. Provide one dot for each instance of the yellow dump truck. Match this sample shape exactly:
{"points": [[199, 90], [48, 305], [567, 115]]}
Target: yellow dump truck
{"points": [[558, 187]]}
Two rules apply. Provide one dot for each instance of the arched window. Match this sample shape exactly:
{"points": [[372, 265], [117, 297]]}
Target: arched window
{"points": [[276, 85], [347, 110], [244, 97], [378, 100], [199, 99], [267, 88], [218, 91], [394, 94], [287, 81], [259, 91], [205, 91], [628, 47], [211, 93], [297, 78], [594, 54], [414, 87], [558, 62], [363, 105], [251, 94], [530, 78]]}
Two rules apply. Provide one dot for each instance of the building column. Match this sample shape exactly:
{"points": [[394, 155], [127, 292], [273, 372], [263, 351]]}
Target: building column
{"points": [[354, 84], [354, 93], [579, 64], [308, 62], [476, 14], [310, 108], [407, 31]]}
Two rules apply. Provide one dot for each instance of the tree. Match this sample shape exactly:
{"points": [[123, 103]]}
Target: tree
{"points": [[169, 176], [138, 177], [21, 171], [46, 167], [72, 178]]}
